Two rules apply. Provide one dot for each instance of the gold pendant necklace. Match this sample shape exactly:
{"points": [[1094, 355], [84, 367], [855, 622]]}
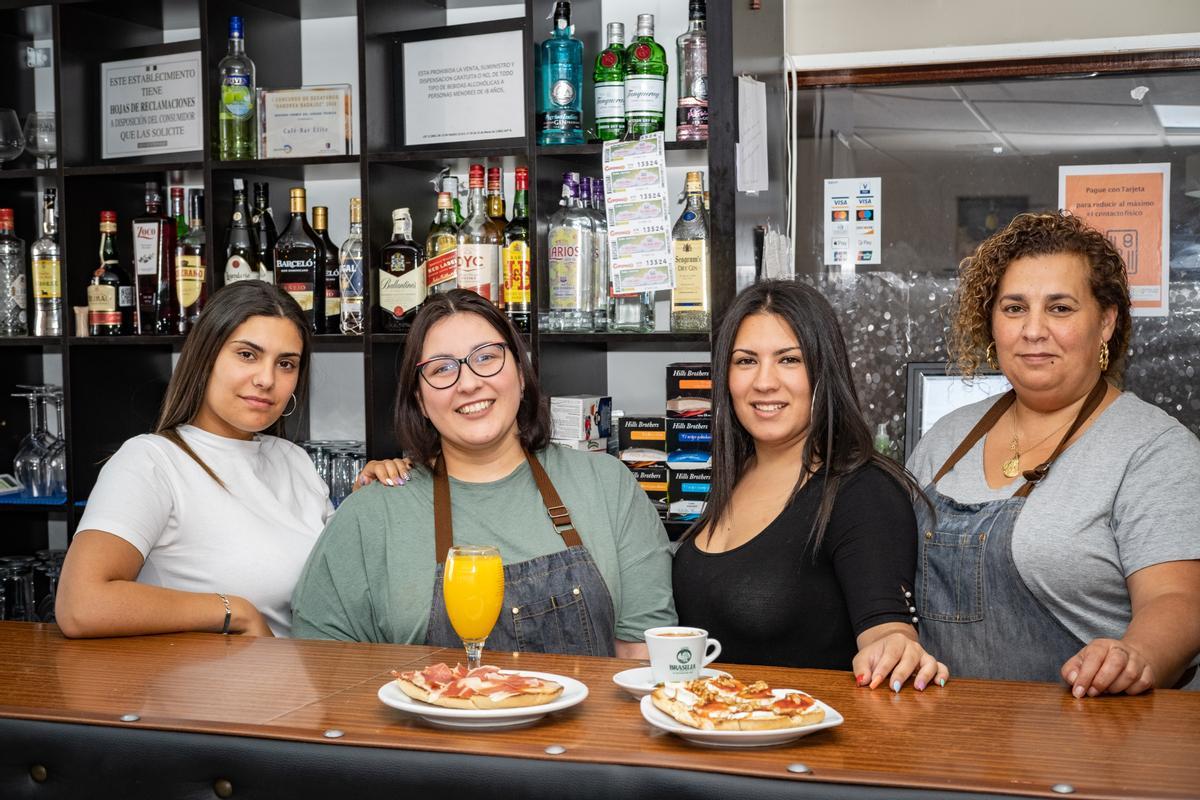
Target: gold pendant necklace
{"points": [[1012, 467]]}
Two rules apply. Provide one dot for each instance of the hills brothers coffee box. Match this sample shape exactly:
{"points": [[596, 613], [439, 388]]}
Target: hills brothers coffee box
{"points": [[653, 480], [689, 389], [687, 493], [580, 417], [689, 442], [589, 445], [642, 439]]}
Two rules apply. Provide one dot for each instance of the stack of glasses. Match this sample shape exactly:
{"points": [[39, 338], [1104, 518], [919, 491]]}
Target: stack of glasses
{"points": [[338, 462], [29, 584], [41, 461]]}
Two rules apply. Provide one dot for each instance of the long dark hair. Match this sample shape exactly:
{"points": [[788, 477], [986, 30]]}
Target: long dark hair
{"points": [[839, 439], [228, 308], [418, 438]]}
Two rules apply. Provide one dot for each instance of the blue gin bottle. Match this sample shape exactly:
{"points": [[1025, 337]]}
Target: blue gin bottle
{"points": [[560, 93]]}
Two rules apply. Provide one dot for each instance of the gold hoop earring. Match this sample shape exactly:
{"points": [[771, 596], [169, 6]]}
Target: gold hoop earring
{"points": [[990, 355], [296, 404], [1104, 356]]}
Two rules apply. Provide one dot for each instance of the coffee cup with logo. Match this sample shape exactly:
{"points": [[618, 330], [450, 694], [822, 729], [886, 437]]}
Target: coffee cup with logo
{"points": [[679, 652]]}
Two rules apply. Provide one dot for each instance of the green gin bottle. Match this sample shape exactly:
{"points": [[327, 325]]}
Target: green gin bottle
{"points": [[645, 81], [235, 116], [609, 79]]}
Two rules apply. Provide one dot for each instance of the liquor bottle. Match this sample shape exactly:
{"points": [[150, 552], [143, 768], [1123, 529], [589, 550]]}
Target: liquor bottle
{"points": [[569, 249], [560, 94], [479, 240], [587, 192], [645, 81], [449, 184], [691, 308], [264, 228], [441, 248], [609, 84], [495, 197], [516, 256], [328, 272], [350, 274], [45, 258], [402, 286], [179, 212], [153, 266], [12, 278], [191, 269], [298, 254], [241, 240], [110, 294], [235, 116], [691, 115]]}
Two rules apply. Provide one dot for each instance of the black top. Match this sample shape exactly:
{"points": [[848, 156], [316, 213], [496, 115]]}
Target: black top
{"points": [[769, 602]]}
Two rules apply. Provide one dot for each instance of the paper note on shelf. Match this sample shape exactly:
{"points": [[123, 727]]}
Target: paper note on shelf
{"points": [[752, 163], [639, 230]]}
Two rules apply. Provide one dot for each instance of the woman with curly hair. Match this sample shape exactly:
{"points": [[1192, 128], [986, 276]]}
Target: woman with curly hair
{"points": [[1064, 541]]}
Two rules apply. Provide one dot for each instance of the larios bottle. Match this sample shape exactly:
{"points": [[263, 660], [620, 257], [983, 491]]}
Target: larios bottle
{"points": [[297, 258], [569, 251], [609, 85], [402, 286], [153, 265], [560, 93], [110, 293], [191, 269], [516, 256]]}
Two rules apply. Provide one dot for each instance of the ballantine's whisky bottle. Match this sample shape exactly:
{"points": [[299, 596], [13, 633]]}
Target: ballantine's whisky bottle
{"points": [[402, 286], [298, 255]]}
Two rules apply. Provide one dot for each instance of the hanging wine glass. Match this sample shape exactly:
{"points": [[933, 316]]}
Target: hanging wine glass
{"points": [[12, 143], [57, 464], [40, 140]]}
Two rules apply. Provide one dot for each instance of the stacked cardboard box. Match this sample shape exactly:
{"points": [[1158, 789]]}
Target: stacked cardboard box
{"points": [[581, 422]]}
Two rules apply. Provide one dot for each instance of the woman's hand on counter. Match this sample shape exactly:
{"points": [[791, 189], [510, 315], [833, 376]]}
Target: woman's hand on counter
{"points": [[246, 619], [388, 471], [1108, 665], [889, 654]]}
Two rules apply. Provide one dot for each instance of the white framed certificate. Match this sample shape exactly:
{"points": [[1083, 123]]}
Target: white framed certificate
{"points": [[310, 121]]}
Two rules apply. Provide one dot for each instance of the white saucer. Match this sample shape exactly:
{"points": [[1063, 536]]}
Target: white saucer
{"points": [[665, 722], [574, 692], [639, 682]]}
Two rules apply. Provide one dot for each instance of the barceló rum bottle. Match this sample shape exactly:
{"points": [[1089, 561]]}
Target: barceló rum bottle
{"points": [[298, 255]]}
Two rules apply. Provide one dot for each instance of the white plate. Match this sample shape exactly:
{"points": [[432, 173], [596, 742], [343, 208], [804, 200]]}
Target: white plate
{"points": [[737, 738], [573, 693], [640, 682]]}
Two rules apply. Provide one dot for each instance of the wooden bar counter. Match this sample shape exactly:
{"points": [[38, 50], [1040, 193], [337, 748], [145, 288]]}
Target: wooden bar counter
{"points": [[201, 715]]}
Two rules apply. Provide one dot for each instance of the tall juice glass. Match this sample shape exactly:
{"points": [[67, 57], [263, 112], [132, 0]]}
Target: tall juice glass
{"points": [[473, 586]]}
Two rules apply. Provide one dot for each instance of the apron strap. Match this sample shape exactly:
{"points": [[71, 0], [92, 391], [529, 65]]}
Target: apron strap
{"points": [[980, 430], [1094, 398], [444, 530]]}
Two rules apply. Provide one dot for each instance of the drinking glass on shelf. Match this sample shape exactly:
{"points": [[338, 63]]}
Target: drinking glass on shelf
{"points": [[12, 143], [473, 587], [344, 468], [33, 455], [56, 465], [40, 138]]}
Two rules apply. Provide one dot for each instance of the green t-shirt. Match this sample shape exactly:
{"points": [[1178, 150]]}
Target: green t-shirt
{"points": [[370, 577]]}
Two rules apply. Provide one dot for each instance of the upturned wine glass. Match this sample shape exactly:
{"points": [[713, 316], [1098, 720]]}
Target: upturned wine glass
{"points": [[12, 143], [40, 140]]}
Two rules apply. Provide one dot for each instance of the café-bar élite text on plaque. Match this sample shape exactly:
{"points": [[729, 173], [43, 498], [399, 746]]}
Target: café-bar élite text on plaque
{"points": [[151, 105], [312, 121]]}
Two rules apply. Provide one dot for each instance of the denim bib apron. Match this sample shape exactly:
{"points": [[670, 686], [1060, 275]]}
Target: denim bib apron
{"points": [[556, 603], [977, 614]]}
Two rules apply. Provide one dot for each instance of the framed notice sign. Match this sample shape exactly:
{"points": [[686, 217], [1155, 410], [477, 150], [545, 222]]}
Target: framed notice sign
{"points": [[151, 105], [459, 86]]}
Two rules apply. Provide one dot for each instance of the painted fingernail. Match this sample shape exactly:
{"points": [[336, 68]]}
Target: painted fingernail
{"points": [[895, 686], [941, 681], [858, 680], [1071, 678], [389, 482], [1092, 692], [1077, 691], [920, 686], [402, 481]]}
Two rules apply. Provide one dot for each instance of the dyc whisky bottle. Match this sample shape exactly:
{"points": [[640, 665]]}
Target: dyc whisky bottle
{"points": [[191, 270], [645, 80], [479, 241], [153, 265], [328, 273], [45, 258], [560, 93], [235, 115], [402, 286], [110, 295], [298, 255], [609, 79], [241, 243], [516, 256]]}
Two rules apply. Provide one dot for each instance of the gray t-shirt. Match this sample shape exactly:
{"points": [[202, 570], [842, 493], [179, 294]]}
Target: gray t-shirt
{"points": [[1124, 496], [370, 577]]}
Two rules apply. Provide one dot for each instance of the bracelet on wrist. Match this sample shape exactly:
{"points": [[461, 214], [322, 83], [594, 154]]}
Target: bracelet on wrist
{"points": [[228, 612]]}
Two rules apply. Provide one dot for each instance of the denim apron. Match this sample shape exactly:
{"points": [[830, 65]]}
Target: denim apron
{"points": [[977, 614], [556, 603]]}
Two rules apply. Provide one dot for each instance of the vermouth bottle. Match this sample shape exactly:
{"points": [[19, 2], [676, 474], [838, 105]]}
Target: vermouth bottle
{"points": [[329, 273], [569, 251], [441, 248], [495, 196], [12, 278], [298, 255], [191, 268], [691, 115], [153, 265], [645, 81], [479, 240], [516, 256], [110, 293], [45, 258], [608, 77], [402, 286], [350, 274], [235, 114], [560, 90], [241, 242], [690, 305], [264, 228]]}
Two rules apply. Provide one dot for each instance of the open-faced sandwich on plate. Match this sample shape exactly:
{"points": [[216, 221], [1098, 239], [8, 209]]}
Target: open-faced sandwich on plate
{"points": [[727, 704], [482, 688]]}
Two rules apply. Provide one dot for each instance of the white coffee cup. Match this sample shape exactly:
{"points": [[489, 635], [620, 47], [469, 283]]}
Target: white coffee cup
{"points": [[679, 652]]}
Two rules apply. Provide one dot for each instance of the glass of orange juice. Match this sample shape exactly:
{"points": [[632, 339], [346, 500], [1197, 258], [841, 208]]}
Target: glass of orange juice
{"points": [[473, 586]]}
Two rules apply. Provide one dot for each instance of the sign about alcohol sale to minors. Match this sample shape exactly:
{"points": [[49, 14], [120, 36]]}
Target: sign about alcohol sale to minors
{"points": [[464, 88], [1129, 204], [151, 105]]}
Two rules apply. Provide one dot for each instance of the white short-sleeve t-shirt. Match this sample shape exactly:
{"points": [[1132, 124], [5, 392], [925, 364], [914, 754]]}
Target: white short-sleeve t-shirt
{"points": [[250, 538]]}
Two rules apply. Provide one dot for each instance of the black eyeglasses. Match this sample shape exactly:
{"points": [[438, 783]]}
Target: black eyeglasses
{"points": [[444, 371]]}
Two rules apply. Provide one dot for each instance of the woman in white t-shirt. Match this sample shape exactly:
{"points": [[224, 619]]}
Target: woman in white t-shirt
{"points": [[205, 524]]}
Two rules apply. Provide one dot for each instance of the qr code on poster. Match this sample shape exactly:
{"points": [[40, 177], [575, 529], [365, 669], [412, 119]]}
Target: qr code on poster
{"points": [[1126, 242]]}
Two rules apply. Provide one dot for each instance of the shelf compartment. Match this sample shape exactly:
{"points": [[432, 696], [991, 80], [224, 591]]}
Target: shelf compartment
{"points": [[259, 164], [31, 341], [465, 150], [596, 148], [125, 341], [14, 174], [135, 168], [56, 502], [662, 341]]}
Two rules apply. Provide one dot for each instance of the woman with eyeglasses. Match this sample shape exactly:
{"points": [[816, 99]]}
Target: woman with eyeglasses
{"points": [[586, 563]]}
